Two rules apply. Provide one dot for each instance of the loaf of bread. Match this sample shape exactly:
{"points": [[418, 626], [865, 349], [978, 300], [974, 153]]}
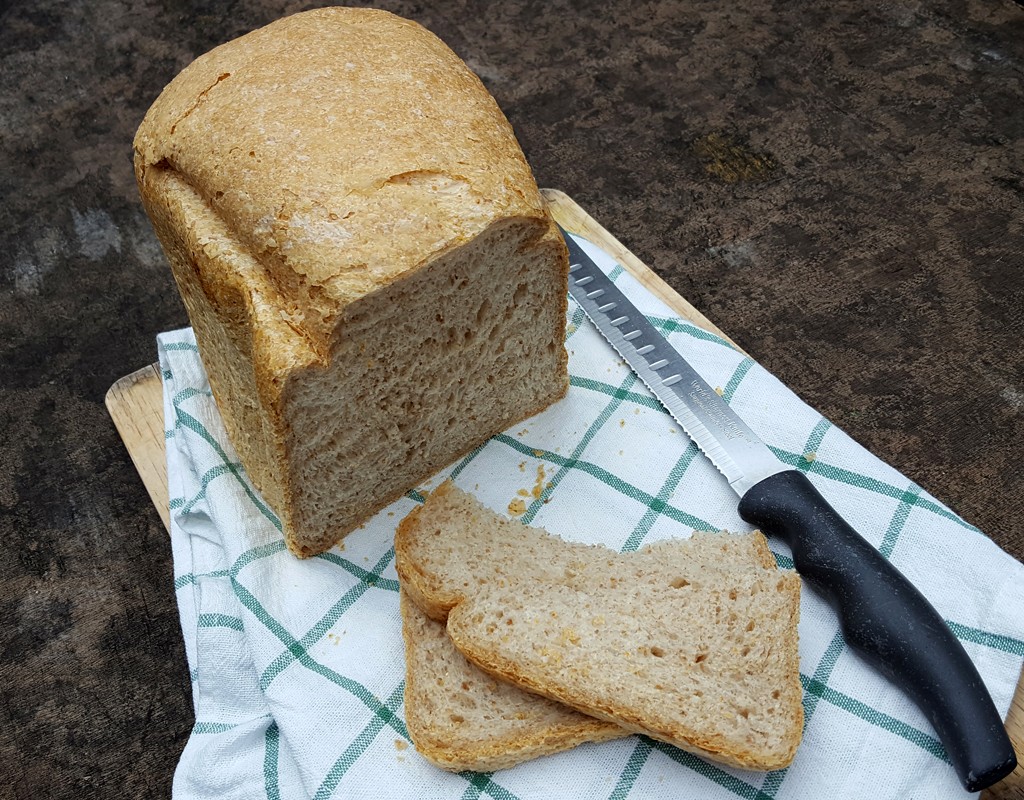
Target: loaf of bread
{"points": [[693, 642], [374, 282]]}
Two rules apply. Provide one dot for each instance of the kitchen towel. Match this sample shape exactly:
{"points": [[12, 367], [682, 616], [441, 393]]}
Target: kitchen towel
{"points": [[297, 666]]}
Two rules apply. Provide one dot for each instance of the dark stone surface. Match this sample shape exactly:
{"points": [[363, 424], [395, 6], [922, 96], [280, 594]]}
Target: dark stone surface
{"points": [[839, 186]]}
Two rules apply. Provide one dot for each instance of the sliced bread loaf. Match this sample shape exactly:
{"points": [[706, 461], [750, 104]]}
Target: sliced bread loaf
{"points": [[374, 281], [693, 642], [461, 718]]}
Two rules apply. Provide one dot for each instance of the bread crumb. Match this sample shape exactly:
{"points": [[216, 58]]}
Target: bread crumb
{"points": [[539, 487], [622, 423], [636, 410], [523, 493], [719, 391], [810, 456], [538, 453], [571, 328], [517, 507], [401, 744], [522, 466]]}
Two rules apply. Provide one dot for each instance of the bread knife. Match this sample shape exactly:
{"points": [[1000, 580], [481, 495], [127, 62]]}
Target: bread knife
{"points": [[882, 615]]}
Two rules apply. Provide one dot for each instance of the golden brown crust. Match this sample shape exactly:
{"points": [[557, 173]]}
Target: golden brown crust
{"points": [[371, 137], [231, 323], [767, 558], [505, 753]]}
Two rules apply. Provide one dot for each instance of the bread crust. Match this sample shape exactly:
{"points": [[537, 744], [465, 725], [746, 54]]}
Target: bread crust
{"points": [[310, 173], [298, 170], [434, 598]]}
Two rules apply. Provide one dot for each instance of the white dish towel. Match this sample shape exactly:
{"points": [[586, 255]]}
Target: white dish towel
{"points": [[297, 666]]}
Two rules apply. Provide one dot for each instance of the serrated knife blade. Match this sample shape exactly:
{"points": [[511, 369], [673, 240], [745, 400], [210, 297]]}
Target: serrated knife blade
{"points": [[718, 431], [882, 615]]}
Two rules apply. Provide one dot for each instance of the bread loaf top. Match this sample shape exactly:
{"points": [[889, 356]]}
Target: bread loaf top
{"points": [[342, 148]]}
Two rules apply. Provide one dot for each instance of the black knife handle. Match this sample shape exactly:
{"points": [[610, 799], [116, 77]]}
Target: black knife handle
{"points": [[889, 622]]}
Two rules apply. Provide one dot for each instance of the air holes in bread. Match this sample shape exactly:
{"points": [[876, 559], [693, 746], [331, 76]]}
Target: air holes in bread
{"points": [[483, 311]]}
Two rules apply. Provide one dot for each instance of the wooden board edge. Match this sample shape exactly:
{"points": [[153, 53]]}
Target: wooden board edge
{"points": [[574, 219], [1012, 787], [141, 393], [135, 404]]}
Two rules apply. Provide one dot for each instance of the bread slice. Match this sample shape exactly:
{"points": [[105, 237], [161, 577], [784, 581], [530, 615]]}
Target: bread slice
{"points": [[452, 544], [692, 642], [461, 718], [375, 284]]}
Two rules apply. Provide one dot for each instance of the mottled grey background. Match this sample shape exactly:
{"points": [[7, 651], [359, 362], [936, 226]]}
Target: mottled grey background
{"points": [[838, 185]]}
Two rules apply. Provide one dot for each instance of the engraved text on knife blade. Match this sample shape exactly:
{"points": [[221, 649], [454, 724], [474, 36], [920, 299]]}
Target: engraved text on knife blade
{"points": [[698, 391]]}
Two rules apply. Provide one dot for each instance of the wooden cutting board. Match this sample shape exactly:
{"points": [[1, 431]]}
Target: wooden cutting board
{"points": [[136, 405]]}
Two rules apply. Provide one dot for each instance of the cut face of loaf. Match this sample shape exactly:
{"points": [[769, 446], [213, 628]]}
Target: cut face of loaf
{"points": [[693, 642], [461, 718], [424, 371], [374, 282]]}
